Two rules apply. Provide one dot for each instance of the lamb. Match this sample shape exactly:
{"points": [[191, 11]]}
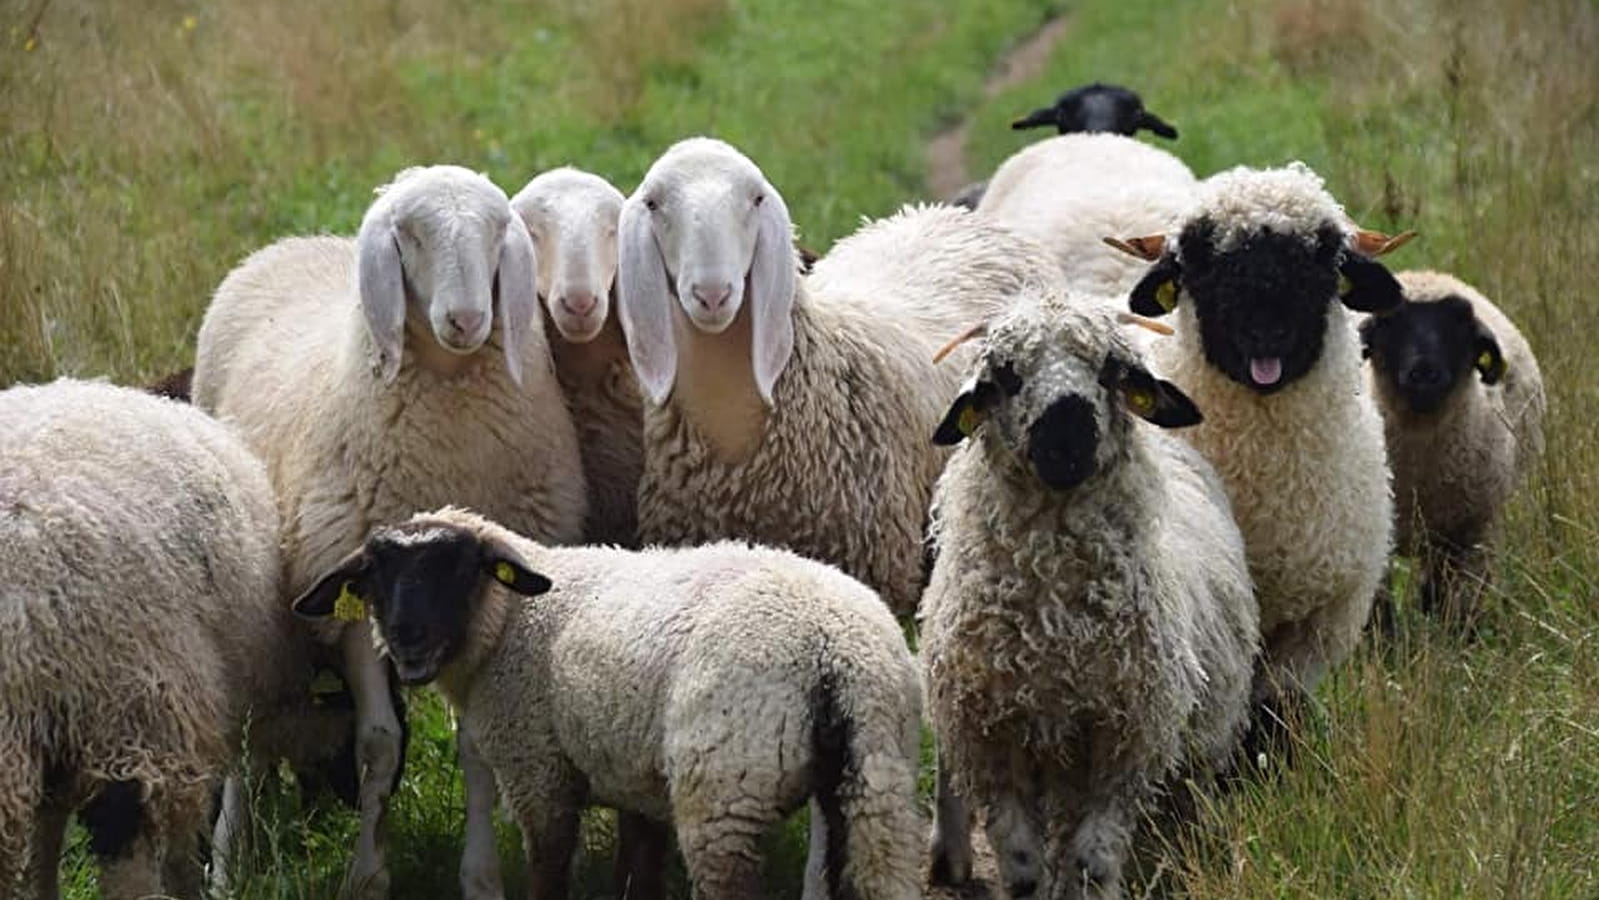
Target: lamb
{"points": [[572, 217], [144, 625], [1089, 108], [1458, 445], [1069, 192], [779, 414], [716, 688], [404, 369], [1089, 631], [1261, 276]]}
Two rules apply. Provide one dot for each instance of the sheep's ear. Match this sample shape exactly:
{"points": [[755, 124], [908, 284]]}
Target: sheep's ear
{"points": [[773, 279], [644, 303], [970, 409], [1151, 122], [505, 566], [1038, 118], [516, 282], [1366, 285], [1368, 328], [337, 593], [1490, 362], [382, 286], [1156, 293], [1147, 397]]}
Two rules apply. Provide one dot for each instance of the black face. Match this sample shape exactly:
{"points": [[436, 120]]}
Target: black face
{"points": [[1061, 443], [1262, 306], [1424, 350], [422, 587], [1097, 107]]}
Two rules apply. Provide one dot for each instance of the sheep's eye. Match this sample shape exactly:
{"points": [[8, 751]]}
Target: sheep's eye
{"points": [[759, 198], [651, 204]]}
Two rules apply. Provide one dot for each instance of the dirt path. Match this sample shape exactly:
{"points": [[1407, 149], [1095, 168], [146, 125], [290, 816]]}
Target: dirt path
{"points": [[946, 152]]}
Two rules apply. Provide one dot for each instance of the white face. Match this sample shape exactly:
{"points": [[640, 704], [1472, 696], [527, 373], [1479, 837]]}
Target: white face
{"points": [[450, 252], [572, 217], [705, 223]]}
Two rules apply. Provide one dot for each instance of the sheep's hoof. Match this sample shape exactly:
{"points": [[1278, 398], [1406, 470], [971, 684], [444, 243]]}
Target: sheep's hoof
{"points": [[948, 866]]}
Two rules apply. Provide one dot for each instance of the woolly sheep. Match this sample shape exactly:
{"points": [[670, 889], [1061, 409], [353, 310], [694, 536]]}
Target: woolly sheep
{"points": [[1458, 444], [716, 688], [1089, 631], [1070, 192], [1262, 275], [572, 216], [1089, 108], [404, 369], [143, 623], [779, 414]]}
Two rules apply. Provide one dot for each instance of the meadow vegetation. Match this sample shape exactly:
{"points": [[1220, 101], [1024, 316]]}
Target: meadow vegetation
{"points": [[146, 147]]}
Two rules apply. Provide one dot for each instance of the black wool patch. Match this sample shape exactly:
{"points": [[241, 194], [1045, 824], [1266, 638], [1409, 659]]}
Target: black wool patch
{"points": [[113, 819]]}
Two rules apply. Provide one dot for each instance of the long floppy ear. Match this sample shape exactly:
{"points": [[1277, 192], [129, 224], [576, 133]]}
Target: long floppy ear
{"points": [[1366, 285], [970, 408], [382, 286], [644, 302], [337, 592], [1150, 121], [1147, 397], [508, 568], [1156, 293], [773, 279], [1488, 359], [517, 281], [1038, 118]]}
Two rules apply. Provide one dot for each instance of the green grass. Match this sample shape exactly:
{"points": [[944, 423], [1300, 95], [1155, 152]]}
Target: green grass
{"points": [[142, 157]]}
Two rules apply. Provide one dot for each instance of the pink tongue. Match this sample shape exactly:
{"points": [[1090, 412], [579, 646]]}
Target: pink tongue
{"points": [[1266, 370]]}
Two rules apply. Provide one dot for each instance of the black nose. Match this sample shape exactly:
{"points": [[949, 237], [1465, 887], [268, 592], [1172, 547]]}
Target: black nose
{"points": [[1422, 375], [1062, 441], [1270, 336]]}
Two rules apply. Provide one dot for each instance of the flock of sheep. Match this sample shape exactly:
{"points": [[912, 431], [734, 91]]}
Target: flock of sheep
{"points": [[1127, 544]]}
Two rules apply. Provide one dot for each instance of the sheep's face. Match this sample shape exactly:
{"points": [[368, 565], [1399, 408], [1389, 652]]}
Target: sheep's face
{"points": [[449, 251], [421, 582], [1424, 351], [1050, 392], [572, 217], [1096, 108]]}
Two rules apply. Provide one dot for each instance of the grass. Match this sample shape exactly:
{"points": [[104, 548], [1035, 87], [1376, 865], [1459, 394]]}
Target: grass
{"points": [[147, 147]]}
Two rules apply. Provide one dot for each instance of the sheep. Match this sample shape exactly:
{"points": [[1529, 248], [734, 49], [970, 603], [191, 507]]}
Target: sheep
{"points": [[782, 415], [144, 625], [1088, 108], [572, 217], [1458, 445], [404, 369], [173, 386], [717, 688], [1089, 631], [1070, 192], [1262, 275]]}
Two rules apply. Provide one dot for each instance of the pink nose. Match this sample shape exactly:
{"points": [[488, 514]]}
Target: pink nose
{"points": [[578, 303], [712, 298], [465, 322]]}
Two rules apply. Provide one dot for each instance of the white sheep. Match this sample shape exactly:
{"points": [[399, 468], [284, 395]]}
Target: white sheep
{"points": [[716, 688], [1263, 274], [1070, 192], [572, 216], [404, 369], [783, 415], [144, 626], [1463, 403], [1089, 632]]}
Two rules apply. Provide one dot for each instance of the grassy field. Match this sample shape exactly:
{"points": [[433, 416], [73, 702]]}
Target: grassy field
{"points": [[146, 147]]}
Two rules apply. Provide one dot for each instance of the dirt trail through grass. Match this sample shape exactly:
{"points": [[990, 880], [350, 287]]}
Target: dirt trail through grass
{"points": [[946, 152]]}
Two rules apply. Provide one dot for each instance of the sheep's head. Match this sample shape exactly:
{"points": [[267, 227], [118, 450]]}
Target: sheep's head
{"points": [[705, 232], [1097, 107], [572, 218], [1426, 350], [421, 582], [438, 248], [1052, 392], [1262, 260]]}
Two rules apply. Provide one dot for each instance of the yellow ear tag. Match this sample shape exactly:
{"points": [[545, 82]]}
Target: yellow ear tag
{"points": [[1166, 295], [1345, 285], [1141, 400], [349, 607], [504, 572], [969, 419]]}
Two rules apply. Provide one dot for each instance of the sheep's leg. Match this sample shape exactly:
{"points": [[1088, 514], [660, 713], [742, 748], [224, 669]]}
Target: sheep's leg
{"points": [[377, 743], [1014, 832], [951, 851], [125, 840], [230, 832], [721, 845], [480, 860], [549, 836], [44, 864], [1089, 858], [182, 869], [640, 857], [1457, 576]]}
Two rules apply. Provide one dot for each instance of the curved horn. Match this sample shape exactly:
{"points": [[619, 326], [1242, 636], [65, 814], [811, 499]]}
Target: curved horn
{"points": [[1375, 243], [978, 330], [1148, 249], [1161, 328]]}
